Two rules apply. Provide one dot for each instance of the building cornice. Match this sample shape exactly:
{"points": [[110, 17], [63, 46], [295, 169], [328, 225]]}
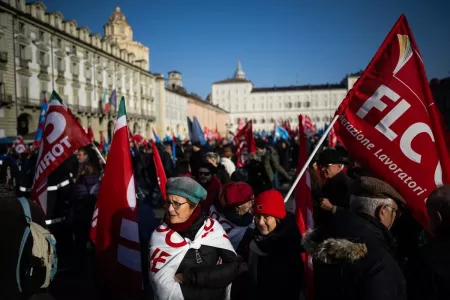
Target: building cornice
{"points": [[25, 16]]}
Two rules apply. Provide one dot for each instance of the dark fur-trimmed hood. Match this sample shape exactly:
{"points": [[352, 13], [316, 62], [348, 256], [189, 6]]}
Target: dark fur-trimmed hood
{"points": [[333, 250]]}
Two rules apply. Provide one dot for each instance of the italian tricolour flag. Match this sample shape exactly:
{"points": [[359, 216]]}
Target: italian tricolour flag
{"points": [[114, 223]]}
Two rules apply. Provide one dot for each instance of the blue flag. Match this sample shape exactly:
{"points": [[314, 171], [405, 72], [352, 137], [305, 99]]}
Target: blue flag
{"points": [[281, 133], [197, 133], [113, 99]]}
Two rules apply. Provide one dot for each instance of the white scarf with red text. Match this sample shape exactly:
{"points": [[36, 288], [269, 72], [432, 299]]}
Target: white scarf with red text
{"points": [[235, 233], [167, 250]]}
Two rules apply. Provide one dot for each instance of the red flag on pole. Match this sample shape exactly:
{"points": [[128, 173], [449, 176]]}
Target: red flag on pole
{"points": [[160, 173], [245, 142], [390, 123], [62, 136], [303, 206], [114, 223]]}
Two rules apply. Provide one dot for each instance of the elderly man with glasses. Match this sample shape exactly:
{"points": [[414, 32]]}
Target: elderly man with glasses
{"points": [[353, 255]]}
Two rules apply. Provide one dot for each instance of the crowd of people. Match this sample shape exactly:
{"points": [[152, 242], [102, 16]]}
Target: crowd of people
{"points": [[231, 236]]}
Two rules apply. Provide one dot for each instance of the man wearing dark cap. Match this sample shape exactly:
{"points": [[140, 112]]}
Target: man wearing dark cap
{"points": [[353, 254], [335, 195], [270, 160]]}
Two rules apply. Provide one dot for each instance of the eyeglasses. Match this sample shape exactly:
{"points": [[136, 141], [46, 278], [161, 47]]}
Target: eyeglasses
{"points": [[204, 173], [397, 212], [175, 205]]}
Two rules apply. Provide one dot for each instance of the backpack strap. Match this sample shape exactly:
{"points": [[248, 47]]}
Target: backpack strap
{"points": [[26, 233]]}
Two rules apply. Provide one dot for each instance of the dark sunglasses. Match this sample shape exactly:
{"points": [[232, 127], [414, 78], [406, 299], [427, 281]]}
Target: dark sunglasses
{"points": [[204, 173]]}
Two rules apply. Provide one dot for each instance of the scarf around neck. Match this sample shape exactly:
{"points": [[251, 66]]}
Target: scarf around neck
{"points": [[181, 227]]}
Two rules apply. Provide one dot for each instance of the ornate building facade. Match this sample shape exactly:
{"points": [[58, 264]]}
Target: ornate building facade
{"points": [[40, 51], [266, 105]]}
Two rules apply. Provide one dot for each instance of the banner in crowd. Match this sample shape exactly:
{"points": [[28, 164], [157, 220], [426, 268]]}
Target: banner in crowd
{"points": [[245, 142], [303, 207], [390, 123], [19, 145], [160, 173], [114, 224], [62, 136]]}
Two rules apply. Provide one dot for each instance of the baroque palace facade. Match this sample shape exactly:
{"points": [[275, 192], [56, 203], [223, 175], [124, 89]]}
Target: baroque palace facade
{"points": [[40, 51], [266, 105]]}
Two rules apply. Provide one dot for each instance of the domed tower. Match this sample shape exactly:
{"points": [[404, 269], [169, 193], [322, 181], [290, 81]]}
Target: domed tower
{"points": [[118, 29], [119, 32], [239, 74], [175, 80]]}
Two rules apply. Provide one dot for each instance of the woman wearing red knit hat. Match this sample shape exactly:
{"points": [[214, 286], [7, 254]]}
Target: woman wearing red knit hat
{"points": [[275, 262]]}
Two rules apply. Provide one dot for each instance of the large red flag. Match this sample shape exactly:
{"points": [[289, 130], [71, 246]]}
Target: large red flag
{"points": [[390, 123], [303, 205], [245, 142], [114, 223], [62, 136], [160, 173]]}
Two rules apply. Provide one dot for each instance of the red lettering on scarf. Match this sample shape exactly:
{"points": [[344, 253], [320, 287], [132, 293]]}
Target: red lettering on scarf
{"points": [[215, 215], [160, 259], [206, 233], [172, 244], [226, 236]]}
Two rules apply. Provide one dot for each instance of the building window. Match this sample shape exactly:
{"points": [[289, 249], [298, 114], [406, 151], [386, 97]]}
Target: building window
{"points": [[59, 64], [74, 49], [42, 58], [41, 36], [86, 55], [98, 59], [58, 43], [38, 12], [22, 27], [122, 29]]}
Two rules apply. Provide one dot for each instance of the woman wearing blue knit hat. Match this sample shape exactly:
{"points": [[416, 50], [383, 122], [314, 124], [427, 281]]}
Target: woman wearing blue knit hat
{"points": [[191, 256]]}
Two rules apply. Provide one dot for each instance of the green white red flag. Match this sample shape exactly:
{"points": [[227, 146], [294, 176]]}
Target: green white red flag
{"points": [[390, 123], [114, 223]]}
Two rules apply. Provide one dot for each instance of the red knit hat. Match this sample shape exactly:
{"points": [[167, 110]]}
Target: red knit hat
{"points": [[270, 203], [235, 193]]}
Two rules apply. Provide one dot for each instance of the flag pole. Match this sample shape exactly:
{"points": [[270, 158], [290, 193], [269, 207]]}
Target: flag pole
{"points": [[310, 158], [98, 153]]}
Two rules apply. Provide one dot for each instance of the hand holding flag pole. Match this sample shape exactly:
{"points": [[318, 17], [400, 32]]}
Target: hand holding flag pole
{"points": [[310, 158]]}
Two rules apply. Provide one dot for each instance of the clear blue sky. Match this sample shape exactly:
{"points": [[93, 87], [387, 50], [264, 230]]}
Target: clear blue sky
{"points": [[277, 40]]}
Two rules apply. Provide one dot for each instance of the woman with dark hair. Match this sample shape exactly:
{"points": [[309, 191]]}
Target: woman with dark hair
{"points": [[275, 262], [191, 256], [209, 181]]}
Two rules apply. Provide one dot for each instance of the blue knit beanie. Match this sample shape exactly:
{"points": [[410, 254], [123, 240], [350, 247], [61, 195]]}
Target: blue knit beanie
{"points": [[186, 187]]}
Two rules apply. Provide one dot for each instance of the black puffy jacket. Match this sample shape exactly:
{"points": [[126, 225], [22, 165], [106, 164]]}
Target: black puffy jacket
{"points": [[354, 259], [206, 279], [275, 262]]}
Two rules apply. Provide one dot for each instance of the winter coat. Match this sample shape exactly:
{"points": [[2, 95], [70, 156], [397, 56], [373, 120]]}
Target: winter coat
{"points": [[337, 191], [257, 177], [222, 174], [275, 262], [206, 280], [195, 160], [12, 227], [428, 274], [271, 163], [353, 259], [228, 164]]}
